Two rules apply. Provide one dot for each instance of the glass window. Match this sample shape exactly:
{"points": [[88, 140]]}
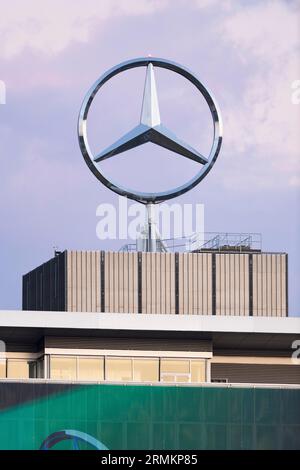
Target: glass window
{"points": [[182, 378], [145, 370], [90, 368], [118, 369], [40, 368], [63, 368], [32, 369], [2, 368], [175, 366], [198, 371], [17, 369], [175, 370]]}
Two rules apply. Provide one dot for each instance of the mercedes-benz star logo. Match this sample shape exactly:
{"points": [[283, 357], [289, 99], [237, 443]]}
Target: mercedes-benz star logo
{"points": [[150, 129]]}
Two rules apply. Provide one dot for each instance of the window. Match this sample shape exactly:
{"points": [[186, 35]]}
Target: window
{"points": [[182, 370], [17, 369], [175, 370], [145, 370], [63, 368], [32, 369], [118, 369], [40, 368], [198, 372], [90, 368], [2, 368], [122, 369]]}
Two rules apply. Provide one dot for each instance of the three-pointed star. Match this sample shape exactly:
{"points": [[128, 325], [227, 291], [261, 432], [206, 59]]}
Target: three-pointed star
{"points": [[150, 129]]}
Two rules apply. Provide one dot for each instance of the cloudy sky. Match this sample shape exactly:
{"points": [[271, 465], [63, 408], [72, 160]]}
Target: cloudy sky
{"points": [[246, 52]]}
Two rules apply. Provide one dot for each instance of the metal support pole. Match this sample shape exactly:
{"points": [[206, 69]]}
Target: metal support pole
{"points": [[151, 242]]}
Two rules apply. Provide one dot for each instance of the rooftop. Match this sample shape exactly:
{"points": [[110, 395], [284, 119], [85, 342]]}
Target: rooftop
{"points": [[225, 331]]}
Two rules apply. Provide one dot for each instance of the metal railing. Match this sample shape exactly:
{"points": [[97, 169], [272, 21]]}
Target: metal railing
{"points": [[208, 241]]}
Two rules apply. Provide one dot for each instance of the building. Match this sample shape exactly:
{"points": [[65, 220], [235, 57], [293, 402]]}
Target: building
{"points": [[123, 381], [226, 281], [112, 347], [132, 350]]}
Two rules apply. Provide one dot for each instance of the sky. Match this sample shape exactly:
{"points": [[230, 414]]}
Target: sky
{"points": [[51, 52]]}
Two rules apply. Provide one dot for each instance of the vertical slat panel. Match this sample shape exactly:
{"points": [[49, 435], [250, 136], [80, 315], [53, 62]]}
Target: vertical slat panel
{"points": [[237, 285], [172, 283], [246, 277], [283, 285], [209, 283], [93, 281], [89, 281], [125, 282], [278, 286], [69, 282], [185, 283], [273, 286], [79, 277], [181, 283], [107, 286], [145, 282], [222, 284], [268, 285], [259, 285], [199, 285], [205, 279], [121, 282], [148, 274], [232, 283], [190, 285], [196, 308], [111, 282], [116, 269], [242, 285], [227, 283], [158, 282], [254, 258], [218, 285], [167, 304], [83, 281], [130, 284], [286, 264], [98, 281], [264, 285], [74, 282], [153, 273], [135, 283], [163, 284]]}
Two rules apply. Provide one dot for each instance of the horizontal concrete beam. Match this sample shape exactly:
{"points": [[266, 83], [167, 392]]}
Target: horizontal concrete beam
{"points": [[148, 322]]}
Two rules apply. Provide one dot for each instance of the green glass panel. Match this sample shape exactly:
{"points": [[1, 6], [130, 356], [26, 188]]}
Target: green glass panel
{"points": [[148, 417]]}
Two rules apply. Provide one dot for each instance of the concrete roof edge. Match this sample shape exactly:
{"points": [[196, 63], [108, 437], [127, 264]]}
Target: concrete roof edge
{"points": [[155, 322]]}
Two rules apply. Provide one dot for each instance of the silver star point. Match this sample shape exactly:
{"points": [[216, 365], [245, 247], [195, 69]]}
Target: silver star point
{"points": [[150, 129]]}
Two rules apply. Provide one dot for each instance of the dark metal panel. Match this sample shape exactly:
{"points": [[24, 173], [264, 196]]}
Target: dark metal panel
{"points": [[25, 282], [32, 290], [256, 373], [129, 343], [62, 285], [46, 283], [18, 394], [44, 288]]}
